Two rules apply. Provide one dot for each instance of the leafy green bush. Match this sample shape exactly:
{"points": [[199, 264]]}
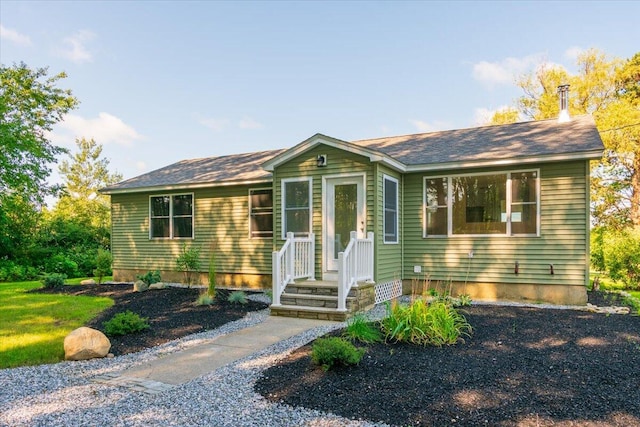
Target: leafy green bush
{"points": [[237, 297], [188, 262], [10, 271], [150, 277], [103, 264], [359, 329], [621, 252], [60, 263], [205, 299], [125, 323], [332, 351], [54, 280], [422, 323]]}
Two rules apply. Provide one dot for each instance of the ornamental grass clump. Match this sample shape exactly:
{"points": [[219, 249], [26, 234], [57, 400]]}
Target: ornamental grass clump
{"points": [[437, 323], [335, 351], [358, 329], [238, 297]]}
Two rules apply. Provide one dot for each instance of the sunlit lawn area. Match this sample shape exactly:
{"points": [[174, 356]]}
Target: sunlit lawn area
{"points": [[33, 326]]}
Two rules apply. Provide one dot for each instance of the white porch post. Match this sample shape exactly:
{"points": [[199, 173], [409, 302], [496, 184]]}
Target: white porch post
{"points": [[342, 283], [312, 258], [275, 278], [290, 258]]}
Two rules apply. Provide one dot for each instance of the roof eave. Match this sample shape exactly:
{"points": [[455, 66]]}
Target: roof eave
{"points": [[548, 158], [177, 187]]}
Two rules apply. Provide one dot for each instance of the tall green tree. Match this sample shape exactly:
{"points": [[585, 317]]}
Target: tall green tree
{"points": [[83, 174], [30, 104], [609, 89]]}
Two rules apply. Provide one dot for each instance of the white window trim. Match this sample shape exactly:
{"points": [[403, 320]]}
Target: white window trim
{"points": [[384, 216], [193, 217], [250, 209], [283, 203], [508, 202]]}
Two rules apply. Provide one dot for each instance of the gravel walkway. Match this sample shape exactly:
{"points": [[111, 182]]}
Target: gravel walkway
{"points": [[64, 394]]}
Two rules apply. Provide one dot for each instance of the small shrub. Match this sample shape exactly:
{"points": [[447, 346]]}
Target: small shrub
{"points": [[205, 299], [463, 300], [622, 256], [103, 264], [150, 277], [359, 329], [332, 351], [188, 262], [237, 297], [54, 280], [125, 323]]}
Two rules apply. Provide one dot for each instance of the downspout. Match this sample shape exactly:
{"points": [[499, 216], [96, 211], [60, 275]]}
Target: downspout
{"points": [[588, 223], [402, 227]]}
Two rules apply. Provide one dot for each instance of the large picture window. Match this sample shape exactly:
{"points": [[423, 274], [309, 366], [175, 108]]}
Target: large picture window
{"points": [[390, 218], [296, 207], [483, 204], [171, 216], [261, 213]]}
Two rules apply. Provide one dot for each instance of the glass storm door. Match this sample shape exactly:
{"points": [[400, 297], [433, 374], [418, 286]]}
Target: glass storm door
{"points": [[345, 213]]}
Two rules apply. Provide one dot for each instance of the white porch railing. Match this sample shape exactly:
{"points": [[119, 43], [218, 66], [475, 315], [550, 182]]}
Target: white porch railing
{"points": [[295, 260], [355, 265]]}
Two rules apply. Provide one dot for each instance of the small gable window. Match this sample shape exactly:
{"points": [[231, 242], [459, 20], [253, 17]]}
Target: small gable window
{"points": [[171, 216], [296, 206], [261, 213], [390, 219]]}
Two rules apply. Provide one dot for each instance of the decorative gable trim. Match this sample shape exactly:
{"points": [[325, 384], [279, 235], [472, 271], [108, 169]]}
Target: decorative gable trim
{"points": [[317, 139]]}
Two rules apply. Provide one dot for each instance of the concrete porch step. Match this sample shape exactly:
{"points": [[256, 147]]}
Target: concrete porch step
{"points": [[320, 313], [314, 300], [317, 287]]}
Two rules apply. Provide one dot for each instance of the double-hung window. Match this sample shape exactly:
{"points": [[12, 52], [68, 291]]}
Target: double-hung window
{"points": [[296, 206], [171, 216], [261, 213], [505, 203], [390, 218]]}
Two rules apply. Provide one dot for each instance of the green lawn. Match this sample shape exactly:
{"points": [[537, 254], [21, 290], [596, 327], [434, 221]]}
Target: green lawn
{"points": [[33, 326]]}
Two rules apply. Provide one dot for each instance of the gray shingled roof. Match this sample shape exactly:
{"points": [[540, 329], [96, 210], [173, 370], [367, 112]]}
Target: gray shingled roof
{"points": [[489, 143], [526, 139], [238, 167]]}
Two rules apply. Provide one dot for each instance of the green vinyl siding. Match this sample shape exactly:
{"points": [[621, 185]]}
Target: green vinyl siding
{"points": [[388, 256], [563, 239], [221, 220], [339, 162]]}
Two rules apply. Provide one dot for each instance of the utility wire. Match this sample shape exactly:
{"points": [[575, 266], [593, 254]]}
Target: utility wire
{"points": [[621, 127]]}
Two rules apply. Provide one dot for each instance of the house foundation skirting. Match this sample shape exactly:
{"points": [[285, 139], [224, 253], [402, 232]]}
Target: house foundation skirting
{"points": [[519, 292], [225, 280]]}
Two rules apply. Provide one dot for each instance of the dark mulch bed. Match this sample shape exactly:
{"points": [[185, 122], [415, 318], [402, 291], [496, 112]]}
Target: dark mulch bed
{"points": [[522, 366], [170, 312]]}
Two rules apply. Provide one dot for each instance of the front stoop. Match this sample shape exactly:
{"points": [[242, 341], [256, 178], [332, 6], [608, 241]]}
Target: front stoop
{"points": [[319, 300]]}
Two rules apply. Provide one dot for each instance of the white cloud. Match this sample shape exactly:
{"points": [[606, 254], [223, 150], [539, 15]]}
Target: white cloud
{"points": [[75, 47], [249, 123], [423, 126], [214, 124], [573, 52], [14, 36], [505, 71], [482, 116], [105, 129]]}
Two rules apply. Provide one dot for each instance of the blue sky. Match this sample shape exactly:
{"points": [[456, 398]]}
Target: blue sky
{"points": [[163, 81]]}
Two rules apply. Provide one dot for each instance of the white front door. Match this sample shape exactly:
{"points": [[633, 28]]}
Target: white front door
{"points": [[344, 213]]}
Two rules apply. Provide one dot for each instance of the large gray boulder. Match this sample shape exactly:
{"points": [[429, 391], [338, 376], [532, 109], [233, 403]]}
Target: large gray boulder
{"points": [[140, 286], [86, 343]]}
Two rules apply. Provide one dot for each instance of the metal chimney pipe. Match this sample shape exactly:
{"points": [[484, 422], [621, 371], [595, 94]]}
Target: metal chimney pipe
{"points": [[563, 91]]}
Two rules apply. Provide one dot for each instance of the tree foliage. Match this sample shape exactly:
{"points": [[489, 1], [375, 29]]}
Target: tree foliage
{"points": [[608, 89], [83, 175], [30, 104]]}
